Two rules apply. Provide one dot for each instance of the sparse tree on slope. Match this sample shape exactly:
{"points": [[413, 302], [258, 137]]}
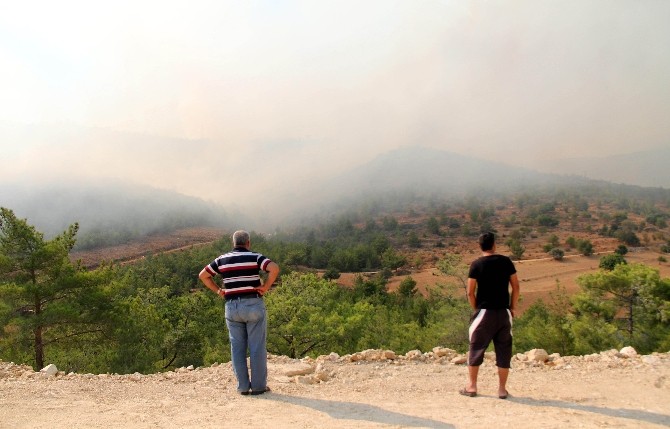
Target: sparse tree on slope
{"points": [[557, 253], [45, 298], [546, 325], [634, 297], [608, 262], [433, 226], [407, 287], [516, 248], [585, 247], [452, 265], [306, 315]]}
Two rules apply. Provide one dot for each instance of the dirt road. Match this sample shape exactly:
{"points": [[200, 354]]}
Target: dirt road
{"points": [[573, 392]]}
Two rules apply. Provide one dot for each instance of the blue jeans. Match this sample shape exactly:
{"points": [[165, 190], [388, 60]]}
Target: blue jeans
{"points": [[247, 328]]}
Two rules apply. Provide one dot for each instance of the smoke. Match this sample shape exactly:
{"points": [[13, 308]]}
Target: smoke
{"points": [[229, 101]]}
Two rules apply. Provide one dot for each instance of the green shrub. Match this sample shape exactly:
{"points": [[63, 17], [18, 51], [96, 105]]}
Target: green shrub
{"points": [[608, 262], [557, 253]]}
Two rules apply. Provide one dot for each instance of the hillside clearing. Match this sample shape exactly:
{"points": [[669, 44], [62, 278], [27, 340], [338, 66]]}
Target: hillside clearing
{"points": [[537, 277]]}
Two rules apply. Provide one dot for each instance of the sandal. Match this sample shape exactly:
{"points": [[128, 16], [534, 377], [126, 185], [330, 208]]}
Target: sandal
{"points": [[466, 392]]}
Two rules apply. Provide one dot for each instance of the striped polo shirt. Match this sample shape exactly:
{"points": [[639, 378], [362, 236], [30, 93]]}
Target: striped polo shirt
{"points": [[239, 269]]}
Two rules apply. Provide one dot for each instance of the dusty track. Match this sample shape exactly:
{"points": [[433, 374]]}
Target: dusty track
{"points": [[136, 250]]}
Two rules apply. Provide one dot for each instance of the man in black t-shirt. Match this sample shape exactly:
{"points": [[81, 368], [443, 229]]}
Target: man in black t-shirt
{"points": [[489, 279]]}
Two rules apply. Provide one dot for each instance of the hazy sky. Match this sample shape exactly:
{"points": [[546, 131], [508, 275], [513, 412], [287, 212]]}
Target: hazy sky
{"points": [[196, 95]]}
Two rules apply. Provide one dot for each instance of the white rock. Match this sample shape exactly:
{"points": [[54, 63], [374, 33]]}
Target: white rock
{"points": [[389, 354], [50, 370], [414, 355], [610, 352], [521, 357], [628, 352], [443, 351], [459, 360], [371, 355], [558, 361], [538, 355], [299, 369]]}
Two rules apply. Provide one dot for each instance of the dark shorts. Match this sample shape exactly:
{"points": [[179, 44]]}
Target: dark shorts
{"points": [[489, 325]]}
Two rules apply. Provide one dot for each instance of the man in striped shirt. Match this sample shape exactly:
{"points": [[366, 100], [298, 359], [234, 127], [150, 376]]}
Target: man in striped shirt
{"points": [[246, 319]]}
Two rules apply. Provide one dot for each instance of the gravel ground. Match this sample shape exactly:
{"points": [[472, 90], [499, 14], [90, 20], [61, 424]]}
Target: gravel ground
{"points": [[371, 389]]}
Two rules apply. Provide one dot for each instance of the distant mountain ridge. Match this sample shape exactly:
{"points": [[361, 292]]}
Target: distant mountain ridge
{"points": [[429, 170], [115, 207], [415, 173], [649, 168], [424, 168], [411, 172]]}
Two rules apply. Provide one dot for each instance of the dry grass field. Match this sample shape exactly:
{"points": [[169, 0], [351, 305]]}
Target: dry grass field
{"points": [[537, 277]]}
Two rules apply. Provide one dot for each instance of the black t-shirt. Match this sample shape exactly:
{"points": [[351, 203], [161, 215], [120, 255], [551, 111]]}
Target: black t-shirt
{"points": [[492, 274]]}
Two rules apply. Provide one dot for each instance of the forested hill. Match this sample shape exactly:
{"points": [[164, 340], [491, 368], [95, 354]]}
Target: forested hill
{"points": [[424, 176], [112, 212], [108, 212], [431, 170]]}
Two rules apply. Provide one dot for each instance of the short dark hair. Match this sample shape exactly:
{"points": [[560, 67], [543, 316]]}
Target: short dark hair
{"points": [[486, 241]]}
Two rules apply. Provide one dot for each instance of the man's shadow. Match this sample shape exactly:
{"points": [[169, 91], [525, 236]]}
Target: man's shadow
{"points": [[647, 416], [355, 411]]}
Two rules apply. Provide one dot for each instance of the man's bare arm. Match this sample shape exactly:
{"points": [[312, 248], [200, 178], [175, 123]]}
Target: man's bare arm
{"points": [[471, 288], [514, 281], [206, 279], [273, 272]]}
